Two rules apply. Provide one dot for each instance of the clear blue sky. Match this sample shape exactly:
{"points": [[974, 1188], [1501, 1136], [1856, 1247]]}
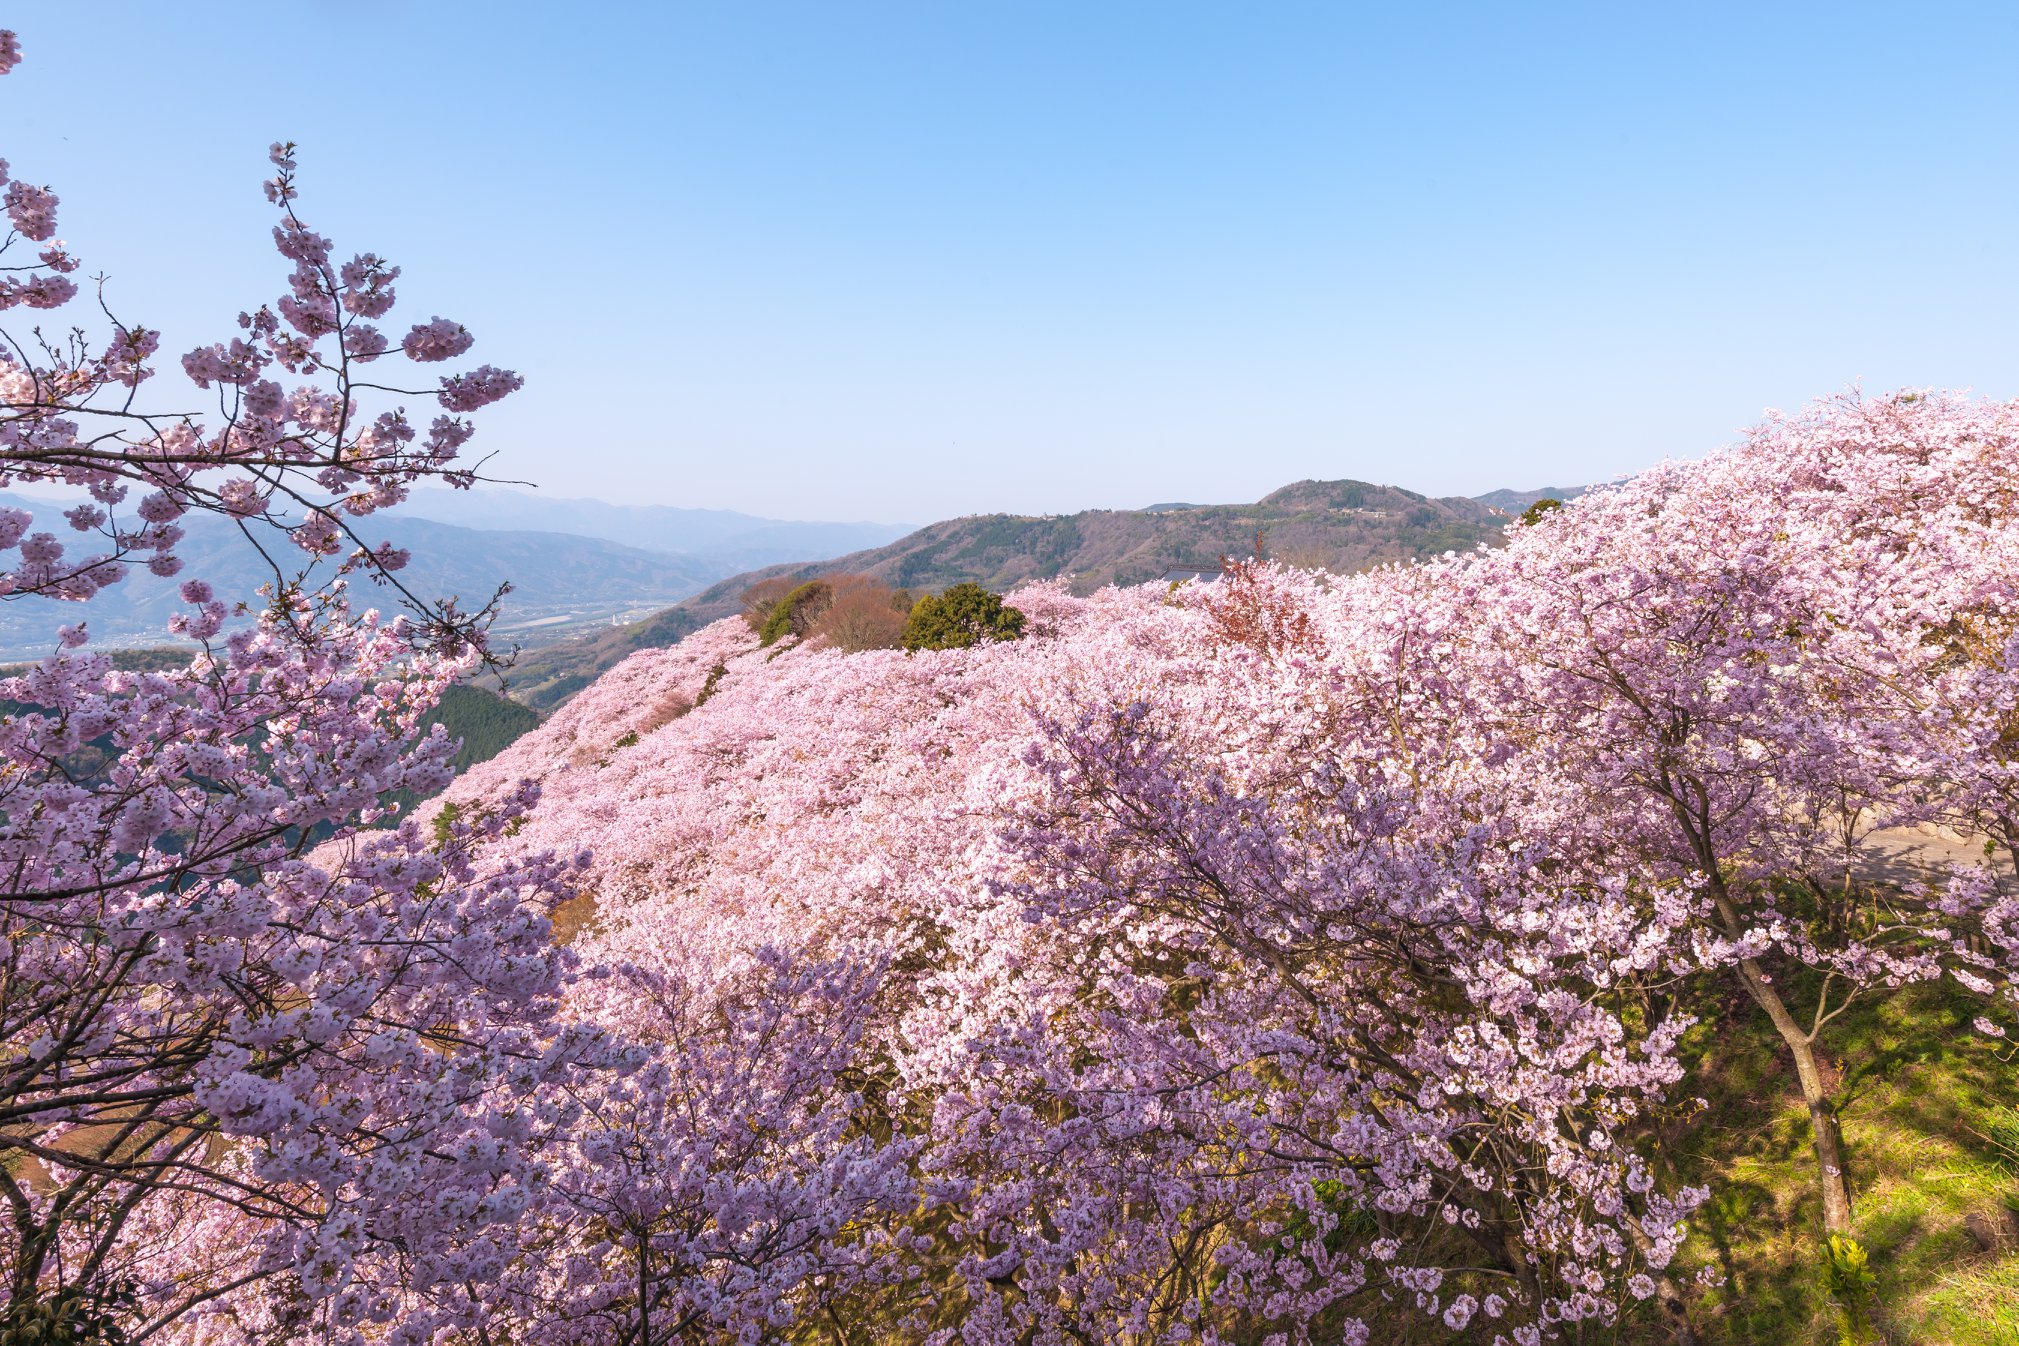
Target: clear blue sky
{"points": [[902, 261]]}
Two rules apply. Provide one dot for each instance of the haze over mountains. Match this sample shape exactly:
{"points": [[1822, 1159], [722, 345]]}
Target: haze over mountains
{"points": [[572, 563], [719, 536]]}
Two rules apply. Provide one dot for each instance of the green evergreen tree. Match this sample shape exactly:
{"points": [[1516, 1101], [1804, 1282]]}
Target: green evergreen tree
{"points": [[794, 614], [964, 615]]}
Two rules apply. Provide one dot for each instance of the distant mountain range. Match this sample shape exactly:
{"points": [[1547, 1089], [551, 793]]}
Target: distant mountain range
{"points": [[1513, 502], [572, 563], [1337, 525], [552, 574], [722, 537]]}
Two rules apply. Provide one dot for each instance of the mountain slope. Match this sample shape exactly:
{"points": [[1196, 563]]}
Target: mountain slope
{"points": [[1340, 526], [1332, 525]]}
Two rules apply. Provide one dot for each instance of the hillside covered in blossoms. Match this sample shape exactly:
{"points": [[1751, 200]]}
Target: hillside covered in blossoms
{"points": [[1300, 951], [1341, 526]]}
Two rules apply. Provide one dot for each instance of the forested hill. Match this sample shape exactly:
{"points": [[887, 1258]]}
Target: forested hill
{"points": [[1334, 525]]}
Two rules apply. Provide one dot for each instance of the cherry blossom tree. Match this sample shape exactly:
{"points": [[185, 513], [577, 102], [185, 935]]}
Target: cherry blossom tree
{"points": [[240, 995], [722, 1179], [1342, 979], [1737, 671], [1130, 1123]]}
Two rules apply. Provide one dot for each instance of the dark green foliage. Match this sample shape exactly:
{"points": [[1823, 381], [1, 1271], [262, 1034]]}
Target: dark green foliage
{"points": [[964, 615], [557, 691], [795, 613], [543, 679], [1535, 512], [486, 723], [663, 629], [445, 821], [68, 1317], [982, 545]]}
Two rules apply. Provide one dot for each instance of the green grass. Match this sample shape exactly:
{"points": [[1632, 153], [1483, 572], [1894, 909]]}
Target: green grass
{"points": [[1923, 1101]]}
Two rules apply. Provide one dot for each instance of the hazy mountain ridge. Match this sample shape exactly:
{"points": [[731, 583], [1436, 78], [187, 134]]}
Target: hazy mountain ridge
{"points": [[1513, 502], [1335, 525], [576, 587], [551, 573], [572, 563], [735, 540]]}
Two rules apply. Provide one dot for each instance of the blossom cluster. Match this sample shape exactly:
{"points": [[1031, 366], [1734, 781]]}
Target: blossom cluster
{"points": [[295, 447]]}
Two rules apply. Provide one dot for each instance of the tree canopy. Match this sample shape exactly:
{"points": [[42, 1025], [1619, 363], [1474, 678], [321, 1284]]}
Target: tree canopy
{"points": [[964, 615]]}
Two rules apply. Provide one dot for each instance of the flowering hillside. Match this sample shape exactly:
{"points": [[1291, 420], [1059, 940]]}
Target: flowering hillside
{"points": [[1264, 960], [1401, 957], [1340, 526]]}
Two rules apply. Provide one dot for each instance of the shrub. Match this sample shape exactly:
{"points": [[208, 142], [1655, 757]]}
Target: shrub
{"points": [[795, 613], [1849, 1282], [964, 615]]}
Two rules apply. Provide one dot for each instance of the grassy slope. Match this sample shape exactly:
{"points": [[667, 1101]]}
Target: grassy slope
{"points": [[1915, 1120], [1922, 1095]]}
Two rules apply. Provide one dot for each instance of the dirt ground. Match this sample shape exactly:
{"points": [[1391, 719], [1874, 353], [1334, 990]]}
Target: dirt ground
{"points": [[1902, 855]]}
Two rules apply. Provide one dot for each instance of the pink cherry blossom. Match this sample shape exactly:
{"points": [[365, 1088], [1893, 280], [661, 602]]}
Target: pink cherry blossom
{"points": [[262, 1025], [32, 210], [478, 388], [438, 339]]}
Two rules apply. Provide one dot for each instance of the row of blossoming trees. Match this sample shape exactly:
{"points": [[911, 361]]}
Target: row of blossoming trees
{"points": [[1240, 963]]}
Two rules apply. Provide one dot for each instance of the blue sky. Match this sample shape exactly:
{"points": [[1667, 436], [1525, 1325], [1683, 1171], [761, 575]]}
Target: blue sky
{"points": [[904, 261]]}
